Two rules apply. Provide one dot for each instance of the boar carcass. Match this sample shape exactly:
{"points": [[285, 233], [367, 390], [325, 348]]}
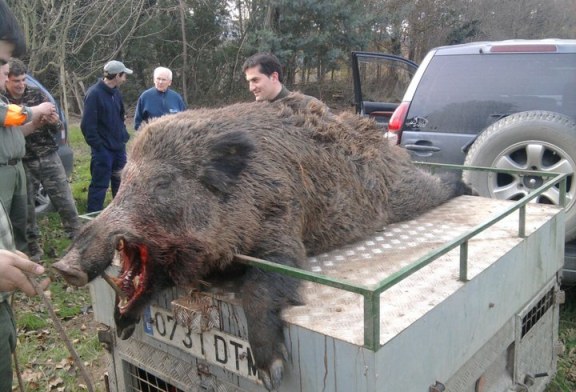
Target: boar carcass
{"points": [[277, 181]]}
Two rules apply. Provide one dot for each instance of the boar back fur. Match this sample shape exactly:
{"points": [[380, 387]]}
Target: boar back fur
{"points": [[278, 181]]}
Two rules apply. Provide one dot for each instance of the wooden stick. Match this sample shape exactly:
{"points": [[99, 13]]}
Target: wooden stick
{"points": [[15, 357], [60, 329]]}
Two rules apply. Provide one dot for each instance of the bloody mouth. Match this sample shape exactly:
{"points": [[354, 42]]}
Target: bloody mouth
{"points": [[133, 279]]}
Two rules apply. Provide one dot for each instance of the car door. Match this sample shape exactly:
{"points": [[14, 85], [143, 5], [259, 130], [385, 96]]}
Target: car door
{"points": [[380, 81]]}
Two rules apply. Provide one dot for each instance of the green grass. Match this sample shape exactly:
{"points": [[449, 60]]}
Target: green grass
{"points": [[43, 357], [565, 380], [80, 179], [44, 360], [32, 320]]}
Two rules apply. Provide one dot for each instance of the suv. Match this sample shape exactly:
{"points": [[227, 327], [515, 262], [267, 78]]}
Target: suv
{"points": [[42, 200], [506, 104]]}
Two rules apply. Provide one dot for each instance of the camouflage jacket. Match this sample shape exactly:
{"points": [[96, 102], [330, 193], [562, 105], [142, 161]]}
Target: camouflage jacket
{"points": [[43, 140]]}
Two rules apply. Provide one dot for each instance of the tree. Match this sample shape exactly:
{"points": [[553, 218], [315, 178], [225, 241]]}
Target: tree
{"points": [[205, 42], [70, 41], [310, 37], [526, 19]]}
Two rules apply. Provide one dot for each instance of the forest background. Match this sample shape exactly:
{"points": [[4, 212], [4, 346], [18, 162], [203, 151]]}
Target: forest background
{"points": [[205, 42]]}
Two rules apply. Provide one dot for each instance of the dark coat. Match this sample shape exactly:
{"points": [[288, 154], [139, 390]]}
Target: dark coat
{"points": [[103, 119]]}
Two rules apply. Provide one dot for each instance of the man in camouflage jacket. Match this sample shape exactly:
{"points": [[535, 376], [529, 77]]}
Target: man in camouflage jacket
{"points": [[41, 162]]}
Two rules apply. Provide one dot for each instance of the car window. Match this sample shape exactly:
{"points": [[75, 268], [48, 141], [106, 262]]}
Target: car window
{"points": [[383, 80], [34, 83], [467, 93], [380, 81]]}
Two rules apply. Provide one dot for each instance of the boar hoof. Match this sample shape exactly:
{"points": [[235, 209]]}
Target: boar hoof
{"points": [[273, 376]]}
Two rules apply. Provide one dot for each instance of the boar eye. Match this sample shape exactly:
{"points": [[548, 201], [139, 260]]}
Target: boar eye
{"points": [[162, 185]]}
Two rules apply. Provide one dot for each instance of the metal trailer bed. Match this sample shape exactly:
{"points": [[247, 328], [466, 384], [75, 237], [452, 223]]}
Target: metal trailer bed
{"points": [[463, 298]]}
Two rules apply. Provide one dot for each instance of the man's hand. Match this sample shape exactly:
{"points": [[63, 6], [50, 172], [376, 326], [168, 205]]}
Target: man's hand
{"points": [[46, 119], [13, 269], [39, 118], [52, 118], [44, 109]]}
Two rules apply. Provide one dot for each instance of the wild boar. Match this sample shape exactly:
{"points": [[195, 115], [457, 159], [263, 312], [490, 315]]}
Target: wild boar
{"points": [[278, 181]]}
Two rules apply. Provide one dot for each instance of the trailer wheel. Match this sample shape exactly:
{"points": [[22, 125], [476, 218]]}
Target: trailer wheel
{"points": [[534, 140]]}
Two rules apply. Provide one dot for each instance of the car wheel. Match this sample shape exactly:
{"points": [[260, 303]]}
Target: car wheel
{"points": [[42, 201], [535, 140]]}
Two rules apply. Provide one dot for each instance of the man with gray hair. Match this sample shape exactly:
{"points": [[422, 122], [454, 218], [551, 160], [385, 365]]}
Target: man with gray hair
{"points": [[158, 100]]}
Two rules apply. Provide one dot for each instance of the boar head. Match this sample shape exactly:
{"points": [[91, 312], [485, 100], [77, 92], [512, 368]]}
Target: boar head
{"points": [[165, 223]]}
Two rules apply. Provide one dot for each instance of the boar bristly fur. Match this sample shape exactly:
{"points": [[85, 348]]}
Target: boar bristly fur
{"points": [[277, 181]]}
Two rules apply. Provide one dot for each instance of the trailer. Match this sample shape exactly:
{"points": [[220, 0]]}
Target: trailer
{"points": [[463, 298]]}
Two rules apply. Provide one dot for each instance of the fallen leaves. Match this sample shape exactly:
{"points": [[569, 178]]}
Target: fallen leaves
{"points": [[44, 360], [56, 383]]}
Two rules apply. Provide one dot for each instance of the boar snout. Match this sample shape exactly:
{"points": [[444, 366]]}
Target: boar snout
{"points": [[71, 273]]}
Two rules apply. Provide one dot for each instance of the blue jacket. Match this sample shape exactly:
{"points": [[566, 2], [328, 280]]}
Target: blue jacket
{"points": [[103, 119], [154, 103]]}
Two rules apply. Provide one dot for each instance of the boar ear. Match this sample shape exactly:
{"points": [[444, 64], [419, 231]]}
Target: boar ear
{"points": [[229, 156]]}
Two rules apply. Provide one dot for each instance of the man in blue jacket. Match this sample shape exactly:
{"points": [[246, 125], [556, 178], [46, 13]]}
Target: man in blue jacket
{"points": [[105, 132], [158, 100]]}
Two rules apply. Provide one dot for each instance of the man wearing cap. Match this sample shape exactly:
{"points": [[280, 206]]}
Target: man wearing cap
{"points": [[105, 132]]}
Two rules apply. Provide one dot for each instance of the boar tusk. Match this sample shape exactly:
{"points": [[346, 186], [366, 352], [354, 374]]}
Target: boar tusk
{"points": [[114, 286], [120, 245]]}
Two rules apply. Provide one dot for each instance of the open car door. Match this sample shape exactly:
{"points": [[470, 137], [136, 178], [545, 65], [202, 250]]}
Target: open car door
{"points": [[380, 81]]}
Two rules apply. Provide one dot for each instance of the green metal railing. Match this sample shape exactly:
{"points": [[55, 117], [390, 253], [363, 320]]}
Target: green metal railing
{"points": [[372, 294]]}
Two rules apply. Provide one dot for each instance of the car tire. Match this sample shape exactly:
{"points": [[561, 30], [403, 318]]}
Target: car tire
{"points": [[534, 140]]}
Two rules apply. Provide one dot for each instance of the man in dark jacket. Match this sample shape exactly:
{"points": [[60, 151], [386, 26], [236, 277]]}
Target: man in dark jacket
{"points": [[263, 73], [158, 100], [105, 132]]}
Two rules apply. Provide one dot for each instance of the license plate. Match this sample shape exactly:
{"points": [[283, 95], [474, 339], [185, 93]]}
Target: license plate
{"points": [[214, 346]]}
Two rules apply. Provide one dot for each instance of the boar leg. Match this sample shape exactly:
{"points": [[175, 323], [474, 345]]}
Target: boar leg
{"points": [[433, 190], [264, 295]]}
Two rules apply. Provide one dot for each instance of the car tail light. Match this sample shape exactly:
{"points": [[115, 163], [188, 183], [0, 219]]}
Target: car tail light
{"points": [[397, 120]]}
